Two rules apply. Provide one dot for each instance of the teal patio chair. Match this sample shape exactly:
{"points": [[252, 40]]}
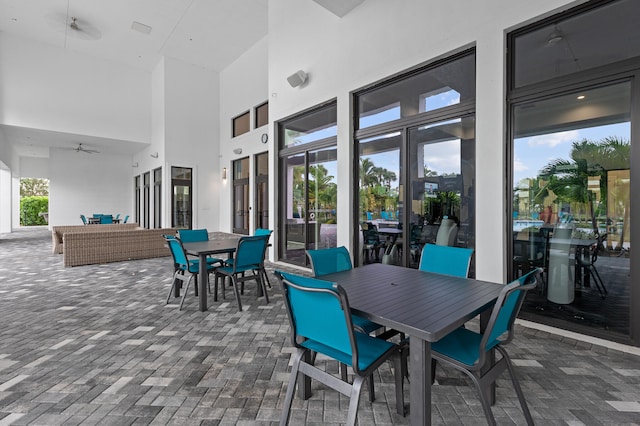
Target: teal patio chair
{"points": [[84, 219], [320, 322], [126, 218], [469, 351], [117, 216], [267, 233], [337, 259], [106, 218], [446, 260], [249, 257], [182, 266], [195, 235]]}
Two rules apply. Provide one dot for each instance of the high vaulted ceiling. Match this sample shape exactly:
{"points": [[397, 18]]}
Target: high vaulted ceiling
{"points": [[208, 33]]}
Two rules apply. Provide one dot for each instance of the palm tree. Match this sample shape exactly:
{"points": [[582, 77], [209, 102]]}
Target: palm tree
{"points": [[568, 179]]}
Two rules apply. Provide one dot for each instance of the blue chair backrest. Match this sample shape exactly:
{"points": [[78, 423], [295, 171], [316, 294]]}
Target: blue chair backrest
{"points": [[193, 235], [446, 260], [96, 215], [369, 216], [507, 307], [106, 218], [263, 232], [317, 311], [330, 260], [177, 251], [117, 216], [84, 219], [250, 251], [126, 218]]}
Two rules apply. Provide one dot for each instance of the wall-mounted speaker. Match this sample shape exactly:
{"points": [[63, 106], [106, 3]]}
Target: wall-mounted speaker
{"points": [[297, 78]]}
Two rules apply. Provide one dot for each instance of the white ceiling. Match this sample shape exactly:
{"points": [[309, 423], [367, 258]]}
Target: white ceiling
{"points": [[209, 33]]}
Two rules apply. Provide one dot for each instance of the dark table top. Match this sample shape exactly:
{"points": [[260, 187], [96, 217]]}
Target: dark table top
{"points": [[228, 245], [421, 304]]}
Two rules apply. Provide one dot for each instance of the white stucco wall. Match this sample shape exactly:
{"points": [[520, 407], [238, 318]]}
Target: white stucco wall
{"points": [[381, 38], [191, 128], [86, 184], [243, 86]]}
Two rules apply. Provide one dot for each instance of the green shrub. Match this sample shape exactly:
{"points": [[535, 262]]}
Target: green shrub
{"points": [[29, 209]]}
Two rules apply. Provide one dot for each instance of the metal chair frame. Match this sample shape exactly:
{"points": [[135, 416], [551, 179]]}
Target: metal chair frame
{"points": [[331, 342], [501, 321]]}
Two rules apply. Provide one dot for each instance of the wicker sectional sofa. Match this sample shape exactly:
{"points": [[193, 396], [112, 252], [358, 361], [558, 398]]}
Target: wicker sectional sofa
{"points": [[57, 232], [108, 244]]}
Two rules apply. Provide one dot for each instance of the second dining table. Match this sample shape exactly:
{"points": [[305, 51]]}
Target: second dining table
{"points": [[423, 305], [202, 249]]}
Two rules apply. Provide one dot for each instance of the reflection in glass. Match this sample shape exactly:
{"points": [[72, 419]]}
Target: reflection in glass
{"points": [[380, 199], [571, 211], [442, 173], [425, 90]]}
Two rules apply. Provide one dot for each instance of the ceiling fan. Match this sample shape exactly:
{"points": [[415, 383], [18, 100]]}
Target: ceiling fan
{"points": [[81, 148], [71, 25], [81, 29]]}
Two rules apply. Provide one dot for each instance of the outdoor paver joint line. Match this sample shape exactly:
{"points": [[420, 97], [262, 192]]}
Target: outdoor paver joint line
{"points": [[97, 345]]}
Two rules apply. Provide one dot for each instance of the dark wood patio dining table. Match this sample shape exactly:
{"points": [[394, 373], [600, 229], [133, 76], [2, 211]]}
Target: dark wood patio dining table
{"points": [[423, 305], [202, 249]]}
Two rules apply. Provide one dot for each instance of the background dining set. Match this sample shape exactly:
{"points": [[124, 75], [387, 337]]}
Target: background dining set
{"points": [[195, 257], [101, 219]]}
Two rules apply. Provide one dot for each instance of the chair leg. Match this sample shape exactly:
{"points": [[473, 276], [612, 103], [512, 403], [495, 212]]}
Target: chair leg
{"points": [[601, 288], [186, 289], [354, 400], [195, 288], [237, 292], [174, 283], [433, 370], [372, 389], [263, 285], [516, 385], [400, 365], [266, 276], [286, 407], [343, 371]]}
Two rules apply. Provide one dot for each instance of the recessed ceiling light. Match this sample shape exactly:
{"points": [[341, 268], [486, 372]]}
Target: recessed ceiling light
{"points": [[141, 28], [581, 97]]}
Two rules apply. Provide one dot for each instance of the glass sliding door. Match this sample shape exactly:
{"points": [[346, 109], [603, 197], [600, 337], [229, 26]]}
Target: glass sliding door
{"points": [[415, 137], [146, 205], [241, 196], [262, 190], [136, 197], [308, 182], [571, 205], [157, 197], [181, 197], [381, 204], [573, 128]]}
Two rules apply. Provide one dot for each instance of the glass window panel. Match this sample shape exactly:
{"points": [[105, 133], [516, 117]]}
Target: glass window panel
{"points": [[262, 115], [241, 124], [262, 164], [442, 173], [310, 127], [576, 43], [434, 88], [241, 168]]}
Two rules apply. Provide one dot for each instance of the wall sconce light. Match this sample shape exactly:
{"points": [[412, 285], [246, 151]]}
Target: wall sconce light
{"points": [[154, 155], [237, 151], [134, 165], [224, 173]]}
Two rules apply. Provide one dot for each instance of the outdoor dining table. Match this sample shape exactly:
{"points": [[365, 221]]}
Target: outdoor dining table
{"points": [[202, 249], [423, 305]]}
